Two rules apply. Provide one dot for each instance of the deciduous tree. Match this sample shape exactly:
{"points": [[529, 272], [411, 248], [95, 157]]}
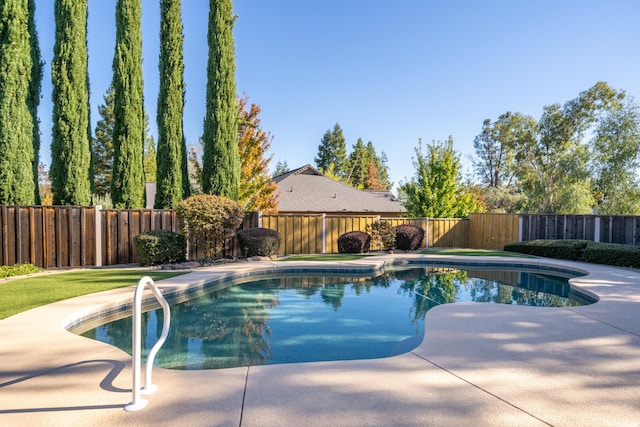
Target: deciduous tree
{"points": [[256, 191], [436, 190], [616, 160]]}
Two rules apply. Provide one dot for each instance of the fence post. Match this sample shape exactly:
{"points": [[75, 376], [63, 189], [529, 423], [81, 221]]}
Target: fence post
{"points": [[324, 233], [520, 222], [98, 230], [596, 231], [259, 219], [426, 233]]}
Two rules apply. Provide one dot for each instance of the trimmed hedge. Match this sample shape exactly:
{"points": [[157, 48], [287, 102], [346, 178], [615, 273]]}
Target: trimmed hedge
{"points": [[354, 242], [613, 254], [563, 249], [160, 247], [259, 241], [409, 237], [581, 250]]}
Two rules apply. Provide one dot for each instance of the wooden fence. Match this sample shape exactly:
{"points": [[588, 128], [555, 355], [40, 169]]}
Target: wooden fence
{"points": [[598, 228], [71, 236]]}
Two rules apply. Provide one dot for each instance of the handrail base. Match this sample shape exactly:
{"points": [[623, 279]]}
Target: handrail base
{"points": [[149, 390], [132, 407]]}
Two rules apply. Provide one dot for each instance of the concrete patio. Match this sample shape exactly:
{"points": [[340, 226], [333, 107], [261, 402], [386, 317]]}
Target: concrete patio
{"points": [[479, 364]]}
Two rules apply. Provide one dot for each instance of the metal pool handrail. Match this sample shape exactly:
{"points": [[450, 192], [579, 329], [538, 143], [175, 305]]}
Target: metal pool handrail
{"points": [[149, 388]]}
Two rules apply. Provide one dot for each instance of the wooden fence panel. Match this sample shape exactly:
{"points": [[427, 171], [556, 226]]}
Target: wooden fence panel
{"points": [[492, 231]]}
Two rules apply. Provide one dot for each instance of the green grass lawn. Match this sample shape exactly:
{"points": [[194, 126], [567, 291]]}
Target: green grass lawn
{"points": [[23, 294]]}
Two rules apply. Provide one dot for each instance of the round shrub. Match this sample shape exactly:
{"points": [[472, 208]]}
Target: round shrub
{"points": [[409, 237], [354, 242], [259, 241], [383, 234], [160, 247], [209, 220]]}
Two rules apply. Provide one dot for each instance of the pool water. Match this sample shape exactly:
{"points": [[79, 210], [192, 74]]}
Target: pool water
{"points": [[318, 318]]}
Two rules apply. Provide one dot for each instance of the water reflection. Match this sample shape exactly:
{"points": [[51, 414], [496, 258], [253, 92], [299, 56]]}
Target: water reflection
{"points": [[298, 319]]}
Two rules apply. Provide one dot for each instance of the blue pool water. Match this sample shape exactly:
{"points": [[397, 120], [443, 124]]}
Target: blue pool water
{"points": [[316, 318]]}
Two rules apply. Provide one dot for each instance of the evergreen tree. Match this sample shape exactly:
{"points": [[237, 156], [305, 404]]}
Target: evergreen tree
{"points": [[34, 96], [221, 163], [127, 183], [256, 191], [149, 153], [332, 153], [282, 167], [102, 146], [20, 78], [171, 144], [71, 141]]}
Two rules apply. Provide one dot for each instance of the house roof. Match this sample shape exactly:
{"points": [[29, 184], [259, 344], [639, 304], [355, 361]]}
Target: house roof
{"points": [[307, 190]]}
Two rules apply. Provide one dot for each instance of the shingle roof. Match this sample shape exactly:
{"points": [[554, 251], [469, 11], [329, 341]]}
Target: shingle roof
{"points": [[307, 190]]}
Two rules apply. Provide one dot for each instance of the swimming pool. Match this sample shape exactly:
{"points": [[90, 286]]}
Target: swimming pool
{"points": [[317, 317]]}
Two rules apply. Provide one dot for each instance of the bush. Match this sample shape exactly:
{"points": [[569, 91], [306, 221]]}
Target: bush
{"points": [[354, 242], [409, 237], [17, 270], [383, 234], [563, 249], [259, 242], [209, 221], [612, 254], [160, 247]]}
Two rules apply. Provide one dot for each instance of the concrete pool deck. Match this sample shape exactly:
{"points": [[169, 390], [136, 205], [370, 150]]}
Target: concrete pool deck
{"points": [[479, 364]]}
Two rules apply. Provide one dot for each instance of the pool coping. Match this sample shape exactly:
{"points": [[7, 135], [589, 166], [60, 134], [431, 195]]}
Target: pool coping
{"points": [[584, 358]]}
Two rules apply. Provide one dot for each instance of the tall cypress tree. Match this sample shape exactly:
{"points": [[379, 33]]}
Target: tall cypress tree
{"points": [[34, 96], [19, 92], [169, 161], [220, 160], [127, 181], [71, 141]]}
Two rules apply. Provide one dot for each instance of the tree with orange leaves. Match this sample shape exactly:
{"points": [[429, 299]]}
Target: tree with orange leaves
{"points": [[257, 189]]}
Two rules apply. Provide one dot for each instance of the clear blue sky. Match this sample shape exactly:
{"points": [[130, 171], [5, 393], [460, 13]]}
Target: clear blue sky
{"points": [[389, 72]]}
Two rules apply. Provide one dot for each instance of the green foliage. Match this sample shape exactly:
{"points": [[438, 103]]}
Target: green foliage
{"points": [[209, 220], [354, 242], [20, 80], [127, 183], [581, 250], [102, 145], [221, 163], [562, 249], [409, 237], [17, 270], [616, 159], [612, 254], [160, 247], [281, 168], [149, 152], [171, 144], [383, 234], [71, 139], [24, 294], [259, 242], [436, 190], [332, 153], [33, 101], [367, 170], [257, 190]]}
